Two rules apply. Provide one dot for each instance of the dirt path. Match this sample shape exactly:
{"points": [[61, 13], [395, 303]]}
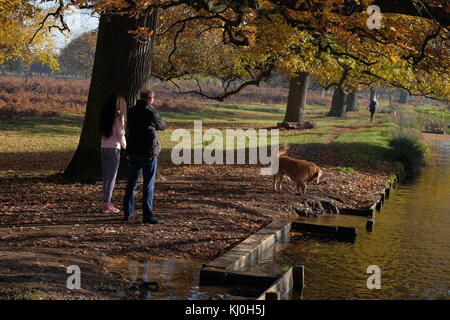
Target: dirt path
{"points": [[46, 226]]}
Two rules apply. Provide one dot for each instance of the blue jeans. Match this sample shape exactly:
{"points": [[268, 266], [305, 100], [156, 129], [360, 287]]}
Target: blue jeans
{"points": [[147, 166]]}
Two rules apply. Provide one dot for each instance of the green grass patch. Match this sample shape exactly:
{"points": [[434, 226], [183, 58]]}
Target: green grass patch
{"points": [[437, 111], [63, 125], [271, 109], [30, 295], [366, 147], [40, 134], [348, 169], [358, 141]]}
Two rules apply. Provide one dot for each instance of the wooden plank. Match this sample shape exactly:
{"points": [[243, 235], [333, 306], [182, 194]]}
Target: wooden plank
{"points": [[334, 232], [253, 248], [282, 287], [232, 279], [364, 212], [314, 228]]}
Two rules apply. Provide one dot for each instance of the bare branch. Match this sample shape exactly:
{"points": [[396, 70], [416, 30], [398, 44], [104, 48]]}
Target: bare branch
{"points": [[226, 93], [58, 15]]}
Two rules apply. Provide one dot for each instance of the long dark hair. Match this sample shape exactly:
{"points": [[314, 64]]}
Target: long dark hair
{"points": [[114, 106]]}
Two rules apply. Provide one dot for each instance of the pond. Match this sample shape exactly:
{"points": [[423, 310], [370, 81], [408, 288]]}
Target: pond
{"points": [[410, 244], [167, 280]]}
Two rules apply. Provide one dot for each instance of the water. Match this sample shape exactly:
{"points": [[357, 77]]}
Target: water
{"points": [[410, 243], [176, 279]]}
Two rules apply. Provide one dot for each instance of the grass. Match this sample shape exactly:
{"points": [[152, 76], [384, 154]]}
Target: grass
{"points": [[263, 116], [348, 169], [437, 111], [365, 147], [354, 139], [435, 116], [30, 295], [38, 134]]}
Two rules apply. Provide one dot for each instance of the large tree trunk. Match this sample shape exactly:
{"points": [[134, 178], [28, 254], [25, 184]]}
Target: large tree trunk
{"points": [[404, 97], [351, 101], [372, 93], [338, 104], [298, 93], [122, 65]]}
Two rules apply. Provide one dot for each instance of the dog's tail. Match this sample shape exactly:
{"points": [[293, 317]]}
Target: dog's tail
{"points": [[282, 150]]}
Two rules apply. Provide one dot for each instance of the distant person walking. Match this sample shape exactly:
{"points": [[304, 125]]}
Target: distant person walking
{"points": [[143, 150], [373, 105], [112, 128]]}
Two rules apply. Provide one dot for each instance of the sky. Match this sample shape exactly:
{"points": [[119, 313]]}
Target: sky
{"points": [[78, 21]]}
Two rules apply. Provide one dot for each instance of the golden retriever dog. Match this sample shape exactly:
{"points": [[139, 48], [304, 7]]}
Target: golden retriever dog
{"points": [[299, 171]]}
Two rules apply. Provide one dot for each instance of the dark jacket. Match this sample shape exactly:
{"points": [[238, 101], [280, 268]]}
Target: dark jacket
{"points": [[143, 121], [373, 106]]}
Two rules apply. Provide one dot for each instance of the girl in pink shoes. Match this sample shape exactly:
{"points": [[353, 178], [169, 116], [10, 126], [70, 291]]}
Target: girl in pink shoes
{"points": [[112, 128]]}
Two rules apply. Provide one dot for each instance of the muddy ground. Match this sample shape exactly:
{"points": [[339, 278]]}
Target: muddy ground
{"points": [[46, 225]]}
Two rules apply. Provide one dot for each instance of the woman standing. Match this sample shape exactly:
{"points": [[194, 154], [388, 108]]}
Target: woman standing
{"points": [[112, 129]]}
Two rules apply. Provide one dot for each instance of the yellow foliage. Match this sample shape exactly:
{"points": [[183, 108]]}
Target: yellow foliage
{"points": [[19, 20], [325, 42]]}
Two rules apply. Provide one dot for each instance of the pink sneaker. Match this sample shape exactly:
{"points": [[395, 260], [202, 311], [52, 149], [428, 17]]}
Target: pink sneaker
{"points": [[109, 208]]}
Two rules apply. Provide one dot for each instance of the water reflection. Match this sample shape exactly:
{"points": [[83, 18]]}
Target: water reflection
{"points": [[165, 279], [410, 243]]}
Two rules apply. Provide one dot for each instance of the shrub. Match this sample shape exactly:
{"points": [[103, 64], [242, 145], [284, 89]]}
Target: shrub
{"points": [[434, 124], [314, 98], [12, 112], [392, 109], [408, 121], [45, 95], [175, 106], [408, 150], [399, 169]]}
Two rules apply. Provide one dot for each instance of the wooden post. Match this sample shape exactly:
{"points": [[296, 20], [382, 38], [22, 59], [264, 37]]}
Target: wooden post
{"points": [[272, 296], [369, 225]]}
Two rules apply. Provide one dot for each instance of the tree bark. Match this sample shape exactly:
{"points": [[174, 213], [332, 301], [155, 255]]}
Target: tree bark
{"points": [[372, 93], [338, 108], [122, 65], [404, 97], [351, 101], [298, 94]]}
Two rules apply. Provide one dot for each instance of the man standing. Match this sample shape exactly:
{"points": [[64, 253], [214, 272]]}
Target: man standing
{"points": [[373, 107], [143, 149]]}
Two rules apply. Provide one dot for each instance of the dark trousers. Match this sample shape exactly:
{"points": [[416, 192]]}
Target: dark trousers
{"points": [[147, 166], [372, 115]]}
